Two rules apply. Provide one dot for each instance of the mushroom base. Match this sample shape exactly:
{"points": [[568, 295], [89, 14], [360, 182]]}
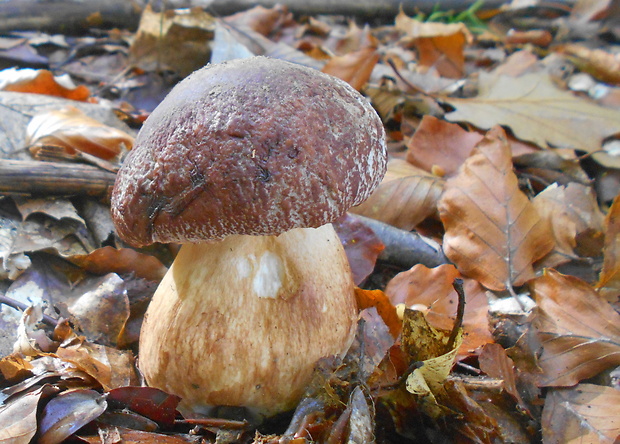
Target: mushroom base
{"points": [[243, 321]]}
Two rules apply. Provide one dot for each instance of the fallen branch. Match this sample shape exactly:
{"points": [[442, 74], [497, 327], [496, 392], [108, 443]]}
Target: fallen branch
{"points": [[405, 249], [53, 178]]}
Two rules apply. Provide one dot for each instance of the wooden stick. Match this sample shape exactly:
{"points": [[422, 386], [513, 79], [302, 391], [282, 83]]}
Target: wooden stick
{"points": [[53, 178]]}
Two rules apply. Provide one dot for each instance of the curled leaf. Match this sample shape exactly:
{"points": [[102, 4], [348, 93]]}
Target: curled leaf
{"points": [[74, 131]]}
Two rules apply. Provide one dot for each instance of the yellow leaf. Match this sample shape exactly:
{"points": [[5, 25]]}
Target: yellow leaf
{"points": [[537, 111], [493, 232]]}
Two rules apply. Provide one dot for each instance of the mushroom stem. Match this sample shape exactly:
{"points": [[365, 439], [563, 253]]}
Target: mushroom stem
{"points": [[243, 321]]}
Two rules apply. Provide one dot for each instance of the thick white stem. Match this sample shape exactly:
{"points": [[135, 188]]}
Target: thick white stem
{"points": [[243, 321]]}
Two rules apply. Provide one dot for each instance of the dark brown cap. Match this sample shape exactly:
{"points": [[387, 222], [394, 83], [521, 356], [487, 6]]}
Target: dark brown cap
{"points": [[253, 146]]}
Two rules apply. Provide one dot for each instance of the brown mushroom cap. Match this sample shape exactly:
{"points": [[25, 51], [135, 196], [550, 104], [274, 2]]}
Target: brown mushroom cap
{"points": [[254, 146]]}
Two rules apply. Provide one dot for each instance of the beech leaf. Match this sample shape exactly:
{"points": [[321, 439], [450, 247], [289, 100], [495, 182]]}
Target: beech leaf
{"points": [[493, 232], [579, 331], [431, 291], [406, 196], [537, 111], [74, 131], [609, 278], [585, 413]]}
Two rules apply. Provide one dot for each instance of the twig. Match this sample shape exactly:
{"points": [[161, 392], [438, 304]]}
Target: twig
{"points": [[460, 313], [47, 320]]}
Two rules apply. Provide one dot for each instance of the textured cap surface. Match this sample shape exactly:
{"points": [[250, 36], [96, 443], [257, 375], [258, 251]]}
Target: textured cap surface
{"points": [[254, 146]]}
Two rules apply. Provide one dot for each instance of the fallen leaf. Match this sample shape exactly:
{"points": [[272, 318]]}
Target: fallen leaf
{"points": [[585, 413], [110, 367], [122, 261], [151, 402], [361, 245], [18, 418], [177, 40], [439, 45], [74, 131], [263, 20], [429, 347], [430, 290], [516, 64], [406, 196], [41, 81], [379, 300], [493, 232], [69, 412], [494, 361], [599, 63], [354, 68], [437, 143], [609, 279], [537, 111], [579, 331]]}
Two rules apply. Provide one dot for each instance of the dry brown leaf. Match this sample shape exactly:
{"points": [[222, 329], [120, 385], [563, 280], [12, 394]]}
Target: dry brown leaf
{"points": [[439, 45], [355, 67], [600, 64], [260, 19], [537, 111], [177, 40], [74, 131], [609, 279], [42, 81], [579, 331], [440, 144], [575, 219], [493, 232], [406, 196], [110, 367], [430, 290], [586, 413], [18, 418], [123, 261], [516, 64], [494, 361]]}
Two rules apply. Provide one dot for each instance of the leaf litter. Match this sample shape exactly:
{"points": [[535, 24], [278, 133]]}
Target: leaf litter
{"points": [[501, 133]]}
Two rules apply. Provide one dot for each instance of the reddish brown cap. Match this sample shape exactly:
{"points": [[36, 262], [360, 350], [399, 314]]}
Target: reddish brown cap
{"points": [[254, 146]]}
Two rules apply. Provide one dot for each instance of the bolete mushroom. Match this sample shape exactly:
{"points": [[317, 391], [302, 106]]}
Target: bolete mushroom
{"points": [[246, 163]]}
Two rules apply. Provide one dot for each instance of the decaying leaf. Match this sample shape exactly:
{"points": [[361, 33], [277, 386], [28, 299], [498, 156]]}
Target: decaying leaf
{"points": [[430, 290], [495, 362], [361, 245], [354, 68], [121, 261], [493, 232], [18, 418], [67, 413], [600, 64], [609, 279], [575, 219], [431, 349], [175, 39], [74, 131], [585, 413], [438, 144], [406, 196], [537, 111], [579, 331], [439, 45]]}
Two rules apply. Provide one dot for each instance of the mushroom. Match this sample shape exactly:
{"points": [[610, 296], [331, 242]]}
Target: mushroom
{"points": [[246, 163]]}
